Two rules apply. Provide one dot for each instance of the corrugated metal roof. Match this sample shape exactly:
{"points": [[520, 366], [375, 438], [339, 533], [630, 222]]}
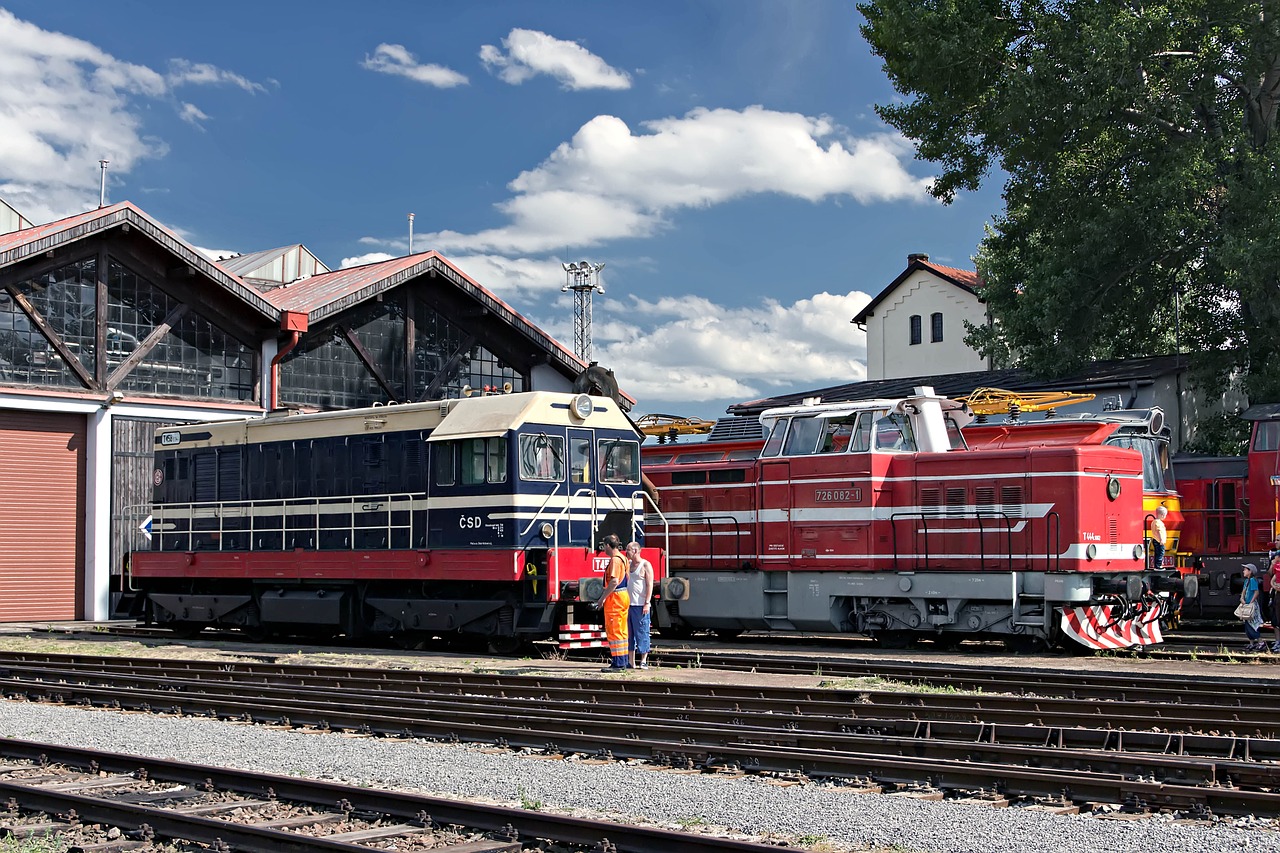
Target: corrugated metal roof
{"points": [[326, 294], [241, 264], [1099, 375], [247, 264], [21, 245], [11, 219]]}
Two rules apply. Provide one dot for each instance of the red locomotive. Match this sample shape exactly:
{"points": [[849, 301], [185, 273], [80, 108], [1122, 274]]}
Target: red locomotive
{"points": [[878, 517], [1231, 505]]}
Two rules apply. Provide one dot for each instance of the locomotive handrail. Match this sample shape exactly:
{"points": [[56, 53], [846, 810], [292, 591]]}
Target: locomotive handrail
{"points": [[977, 515], [666, 525], [567, 510], [538, 514], [711, 549], [619, 503], [284, 509]]}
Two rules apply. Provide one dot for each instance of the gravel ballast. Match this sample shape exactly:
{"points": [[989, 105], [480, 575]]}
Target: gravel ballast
{"points": [[625, 791]]}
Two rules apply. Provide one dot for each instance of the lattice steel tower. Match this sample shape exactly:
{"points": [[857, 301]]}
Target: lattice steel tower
{"points": [[584, 280]]}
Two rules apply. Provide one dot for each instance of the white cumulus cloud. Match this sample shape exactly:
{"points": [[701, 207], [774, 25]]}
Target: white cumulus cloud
{"points": [[530, 53], [182, 72], [396, 59], [192, 114], [610, 182], [361, 260], [65, 104], [690, 356]]}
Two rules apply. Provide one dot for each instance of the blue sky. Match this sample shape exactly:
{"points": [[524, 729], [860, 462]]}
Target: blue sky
{"points": [[723, 159]]}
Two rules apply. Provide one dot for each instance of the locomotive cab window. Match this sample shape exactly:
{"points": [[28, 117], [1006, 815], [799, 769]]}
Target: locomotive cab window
{"points": [[893, 434], [619, 461], [445, 463], [580, 460], [837, 434], [804, 437], [773, 446], [1266, 435], [471, 461], [542, 457]]}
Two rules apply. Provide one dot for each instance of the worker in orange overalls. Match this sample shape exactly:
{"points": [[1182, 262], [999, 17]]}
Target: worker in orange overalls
{"points": [[616, 603]]}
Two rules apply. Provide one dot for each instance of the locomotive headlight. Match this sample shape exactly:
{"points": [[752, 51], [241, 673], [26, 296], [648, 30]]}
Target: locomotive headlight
{"points": [[1113, 488], [1139, 552], [547, 530], [1090, 551], [581, 406]]}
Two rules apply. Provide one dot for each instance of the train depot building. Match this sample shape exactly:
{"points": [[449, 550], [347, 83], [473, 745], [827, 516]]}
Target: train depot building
{"points": [[111, 326]]}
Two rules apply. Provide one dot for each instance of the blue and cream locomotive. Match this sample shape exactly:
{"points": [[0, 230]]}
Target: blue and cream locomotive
{"points": [[474, 516]]}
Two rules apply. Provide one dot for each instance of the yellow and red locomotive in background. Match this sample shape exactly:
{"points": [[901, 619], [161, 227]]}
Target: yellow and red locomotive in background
{"points": [[882, 517], [1231, 509]]}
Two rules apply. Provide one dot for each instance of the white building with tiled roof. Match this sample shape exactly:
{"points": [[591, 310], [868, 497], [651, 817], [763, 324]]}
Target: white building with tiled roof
{"points": [[916, 325]]}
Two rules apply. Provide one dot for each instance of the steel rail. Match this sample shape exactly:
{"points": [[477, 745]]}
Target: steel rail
{"points": [[1230, 709], [1196, 757], [1075, 683], [1023, 682], [406, 806], [1183, 732], [762, 749]]}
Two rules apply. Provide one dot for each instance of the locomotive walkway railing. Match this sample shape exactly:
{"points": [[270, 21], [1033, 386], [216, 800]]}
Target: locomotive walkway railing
{"points": [[711, 556], [978, 516], [332, 523]]}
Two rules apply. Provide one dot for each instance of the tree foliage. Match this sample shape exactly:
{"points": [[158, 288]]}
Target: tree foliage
{"points": [[1139, 145]]}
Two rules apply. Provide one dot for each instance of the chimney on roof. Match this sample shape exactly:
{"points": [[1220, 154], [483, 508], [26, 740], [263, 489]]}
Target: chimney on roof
{"points": [[917, 256]]}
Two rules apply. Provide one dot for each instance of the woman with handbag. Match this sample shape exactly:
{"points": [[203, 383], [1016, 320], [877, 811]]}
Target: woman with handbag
{"points": [[1248, 610]]}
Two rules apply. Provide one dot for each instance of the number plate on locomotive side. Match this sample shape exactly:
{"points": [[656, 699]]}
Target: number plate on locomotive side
{"points": [[837, 495]]}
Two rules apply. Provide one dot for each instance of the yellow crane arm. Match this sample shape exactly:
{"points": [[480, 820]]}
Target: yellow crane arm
{"points": [[673, 425], [997, 401]]}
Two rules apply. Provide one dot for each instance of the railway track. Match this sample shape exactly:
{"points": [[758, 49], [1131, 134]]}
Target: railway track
{"points": [[1212, 647], [1216, 753], [106, 801]]}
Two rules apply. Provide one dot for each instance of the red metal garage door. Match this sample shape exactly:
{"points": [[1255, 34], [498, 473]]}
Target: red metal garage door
{"points": [[41, 512]]}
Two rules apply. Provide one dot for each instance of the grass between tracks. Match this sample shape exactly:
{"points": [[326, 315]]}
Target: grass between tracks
{"points": [[46, 843], [875, 682]]}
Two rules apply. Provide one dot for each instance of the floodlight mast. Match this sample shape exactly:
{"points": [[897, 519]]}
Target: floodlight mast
{"points": [[102, 192], [584, 280]]}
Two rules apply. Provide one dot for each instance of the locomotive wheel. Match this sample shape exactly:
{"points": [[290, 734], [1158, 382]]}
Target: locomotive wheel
{"points": [[893, 639], [186, 630], [410, 640], [1021, 644], [504, 645], [256, 633]]}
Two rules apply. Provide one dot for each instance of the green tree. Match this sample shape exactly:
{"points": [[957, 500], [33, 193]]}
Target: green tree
{"points": [[1142, 185]]}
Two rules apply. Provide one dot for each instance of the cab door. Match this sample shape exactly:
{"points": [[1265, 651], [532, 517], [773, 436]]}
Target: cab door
{"points": [[582, 465], [773, 512]]}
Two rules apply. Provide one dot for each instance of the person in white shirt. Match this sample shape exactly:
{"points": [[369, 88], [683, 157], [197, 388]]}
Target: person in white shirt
{"points": [[640, 588]]}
